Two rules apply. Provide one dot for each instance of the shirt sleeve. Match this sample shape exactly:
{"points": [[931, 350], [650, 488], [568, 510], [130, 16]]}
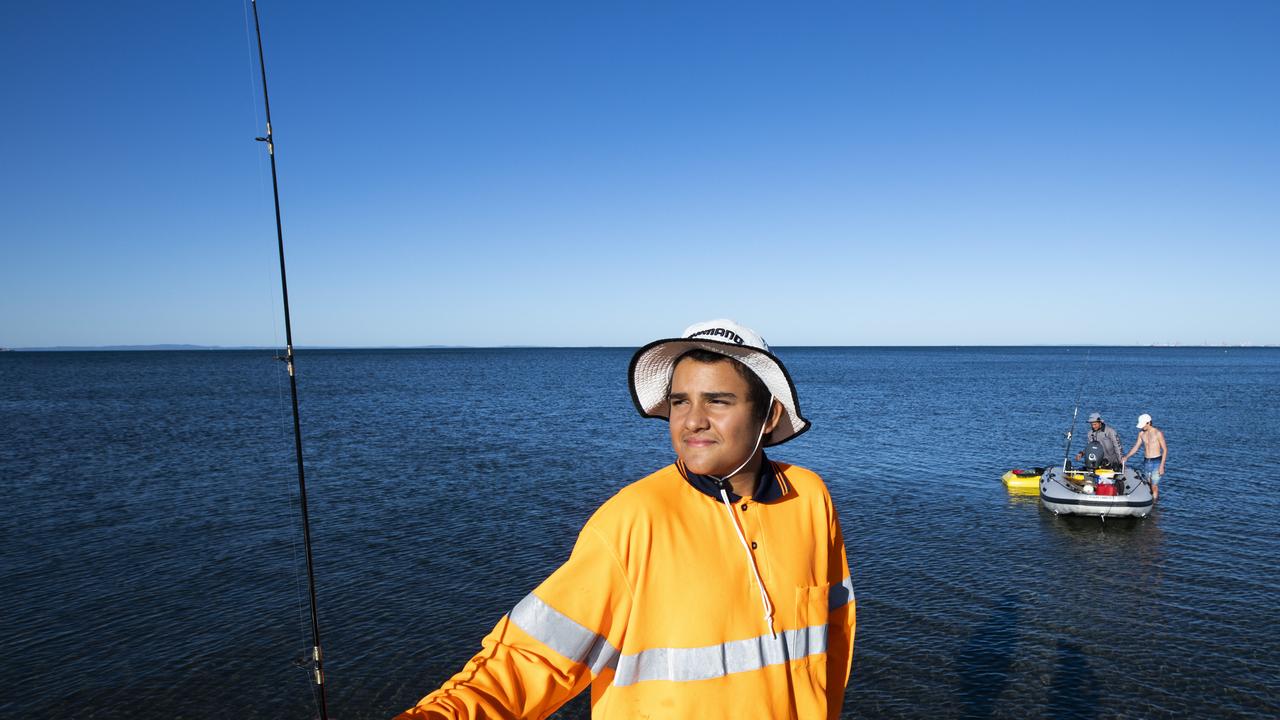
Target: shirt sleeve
{"points": [[841, 622], [548, 648], [1115, 443]]}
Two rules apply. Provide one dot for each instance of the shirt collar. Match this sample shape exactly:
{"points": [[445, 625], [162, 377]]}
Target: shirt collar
{"points": [[770, 484]]}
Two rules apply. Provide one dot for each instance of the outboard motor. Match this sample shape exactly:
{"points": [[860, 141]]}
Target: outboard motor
{"points": [[1093, 456]]}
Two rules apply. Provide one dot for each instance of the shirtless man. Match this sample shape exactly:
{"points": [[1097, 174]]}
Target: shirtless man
{"points": [[1155, 455]]}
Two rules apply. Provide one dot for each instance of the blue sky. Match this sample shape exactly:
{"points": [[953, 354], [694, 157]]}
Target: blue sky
{"points": [[900, 173]]}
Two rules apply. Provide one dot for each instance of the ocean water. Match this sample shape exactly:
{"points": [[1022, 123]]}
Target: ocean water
{"points": [[151, 561]]}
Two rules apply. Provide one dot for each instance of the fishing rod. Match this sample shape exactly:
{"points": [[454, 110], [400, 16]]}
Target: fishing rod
{"points": [[317, 655], [1075, 410]]}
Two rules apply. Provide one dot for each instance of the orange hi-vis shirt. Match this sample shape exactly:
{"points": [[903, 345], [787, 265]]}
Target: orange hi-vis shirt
{"points": [[658, 610]]}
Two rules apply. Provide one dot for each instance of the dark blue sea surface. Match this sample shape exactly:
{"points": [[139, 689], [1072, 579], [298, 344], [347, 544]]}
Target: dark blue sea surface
{"points": [[151, 557]]}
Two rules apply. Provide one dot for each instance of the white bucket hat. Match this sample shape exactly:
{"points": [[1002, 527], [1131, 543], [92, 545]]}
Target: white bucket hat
{"points": [[652, 365], [1144, 420]]}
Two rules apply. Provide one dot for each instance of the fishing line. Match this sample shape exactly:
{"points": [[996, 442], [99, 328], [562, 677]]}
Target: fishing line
{"points": [[253, 83], [281, 412], [262, 170], [1076, 410], [317, 653]]}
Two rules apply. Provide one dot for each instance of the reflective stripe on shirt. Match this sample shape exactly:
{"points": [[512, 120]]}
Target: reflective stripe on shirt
{"points": [[840, 595], [578, 644], [562, 634], [713, 661]]}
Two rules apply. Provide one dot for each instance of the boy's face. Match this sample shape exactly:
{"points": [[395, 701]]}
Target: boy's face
{"points": [[712, 429]]}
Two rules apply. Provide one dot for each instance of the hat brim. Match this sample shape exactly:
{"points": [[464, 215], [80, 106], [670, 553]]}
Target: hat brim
{"points": [[652, 365]]}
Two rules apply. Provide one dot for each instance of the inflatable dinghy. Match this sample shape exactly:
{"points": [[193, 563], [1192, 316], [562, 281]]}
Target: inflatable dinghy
{"points": [[1101, 493]]}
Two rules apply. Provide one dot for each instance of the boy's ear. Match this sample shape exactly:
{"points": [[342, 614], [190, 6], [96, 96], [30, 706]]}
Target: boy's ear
{"points": [[774, 417]]}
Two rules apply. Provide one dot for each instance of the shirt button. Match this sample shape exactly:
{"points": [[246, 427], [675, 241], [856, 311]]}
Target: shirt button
{"points": [[753, 544], [744, 506]]}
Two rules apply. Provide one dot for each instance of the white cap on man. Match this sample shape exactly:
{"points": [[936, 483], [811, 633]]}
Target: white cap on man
{"points": [[1143, 420]]}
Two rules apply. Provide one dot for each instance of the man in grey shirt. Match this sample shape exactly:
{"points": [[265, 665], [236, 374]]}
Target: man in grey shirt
{"points": [[1105, 436]]}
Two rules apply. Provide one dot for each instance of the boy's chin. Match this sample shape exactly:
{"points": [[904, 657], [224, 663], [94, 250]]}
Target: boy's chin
{"points": [[700, 466]]}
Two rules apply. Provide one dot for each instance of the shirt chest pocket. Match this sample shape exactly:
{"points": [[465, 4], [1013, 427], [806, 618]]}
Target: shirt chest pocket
{"points": [[807, 643]]}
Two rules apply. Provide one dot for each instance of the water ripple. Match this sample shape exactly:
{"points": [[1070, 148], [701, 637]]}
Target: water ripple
{"points": [[152, 567]]}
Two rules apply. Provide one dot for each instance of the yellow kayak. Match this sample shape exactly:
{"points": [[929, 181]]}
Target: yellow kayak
{"points": [[1023, 482]]}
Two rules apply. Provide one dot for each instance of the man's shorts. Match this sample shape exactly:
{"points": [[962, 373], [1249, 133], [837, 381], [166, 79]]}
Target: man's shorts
{"points": [[1151, 468]]}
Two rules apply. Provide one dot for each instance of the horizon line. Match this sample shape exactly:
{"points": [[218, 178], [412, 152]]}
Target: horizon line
{"points": [[178, 347]]}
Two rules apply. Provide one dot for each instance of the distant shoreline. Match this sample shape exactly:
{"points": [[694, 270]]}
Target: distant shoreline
{"points": [[170, 347], [276, 348]]}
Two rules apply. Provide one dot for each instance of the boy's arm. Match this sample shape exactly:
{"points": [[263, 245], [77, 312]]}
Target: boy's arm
{"points": [[1136, 444], [841, 622], [547, 649]]}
